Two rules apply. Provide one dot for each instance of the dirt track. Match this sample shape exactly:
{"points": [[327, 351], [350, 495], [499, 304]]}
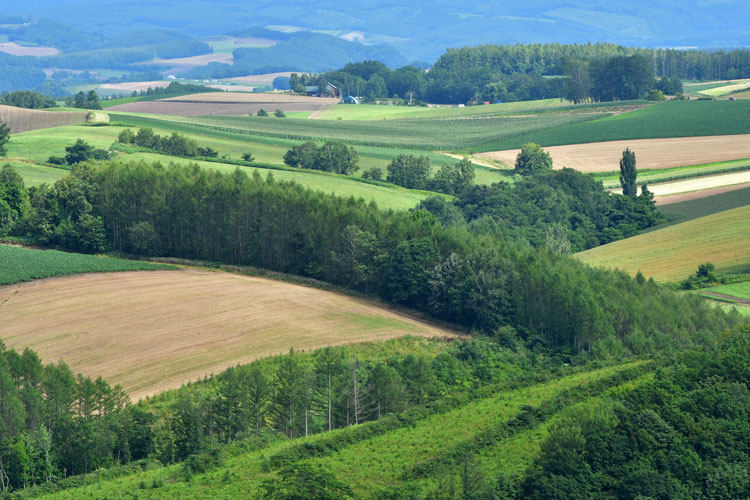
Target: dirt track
{"points": [[155, 330], [650, 153]]}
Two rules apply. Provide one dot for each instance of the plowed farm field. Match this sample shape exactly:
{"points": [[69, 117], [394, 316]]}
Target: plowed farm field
{"points": [[650, 153], [156, 330]]}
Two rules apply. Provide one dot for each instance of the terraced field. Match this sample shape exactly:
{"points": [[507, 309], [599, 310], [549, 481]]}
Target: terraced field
{"points": [[673, 253], [156, 330]]}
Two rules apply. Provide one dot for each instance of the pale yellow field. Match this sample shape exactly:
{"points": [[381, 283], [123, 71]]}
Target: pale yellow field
{"points": [[674, 253], [697, 184], [131, 86], [14, 49], [241, 98], [156, 330], [650, 153], [266, 78]]}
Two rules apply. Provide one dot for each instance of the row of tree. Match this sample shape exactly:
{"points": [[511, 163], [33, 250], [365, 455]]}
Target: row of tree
{"points": [[175, 144]]}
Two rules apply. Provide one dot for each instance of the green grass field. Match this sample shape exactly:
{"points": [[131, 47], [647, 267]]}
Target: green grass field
{"points": [[34, 175], [612, 179], [395, 198], [726, 89], [739, 290], [39, 145], [370, 463], [23, 264], [669, 119], [437, 134], [673, 253]]}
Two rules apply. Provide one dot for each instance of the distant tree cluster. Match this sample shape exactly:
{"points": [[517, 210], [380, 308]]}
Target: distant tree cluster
{"points": [[175, 144], [79, 152], [27, 99], [174, 88], [551, 208], [414, 172], [331, 156], [4, 137], [84, 101]]}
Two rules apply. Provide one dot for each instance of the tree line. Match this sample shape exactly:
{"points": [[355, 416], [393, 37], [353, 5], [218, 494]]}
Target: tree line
{"points": [[479, 280], [175, 144], [534, 71]]}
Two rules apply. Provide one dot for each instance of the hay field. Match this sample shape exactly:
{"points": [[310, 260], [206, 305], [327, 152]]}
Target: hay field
{"points": [[696, 195], [674, 253], [225, 104], [156, 330], [697, 185], [265, 78], [23, 120], [14, 49], [649, 153]]}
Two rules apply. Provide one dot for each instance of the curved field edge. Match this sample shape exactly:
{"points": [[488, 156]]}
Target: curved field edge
{"points": [[248, 464], [158, 330], [18, 264], [674, 253], [664, 120]]}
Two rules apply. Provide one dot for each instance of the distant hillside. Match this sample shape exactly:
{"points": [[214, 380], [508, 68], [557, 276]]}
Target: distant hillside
{"points": [[422, 29]]}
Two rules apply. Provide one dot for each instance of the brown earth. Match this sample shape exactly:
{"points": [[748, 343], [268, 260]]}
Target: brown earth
{"points": [[155, 330], [650, 153], [23, 120], [225, 103], [14, 49]]}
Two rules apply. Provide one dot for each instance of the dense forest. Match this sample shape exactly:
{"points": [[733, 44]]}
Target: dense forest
{"points": [[683, 435], [482, 282]]}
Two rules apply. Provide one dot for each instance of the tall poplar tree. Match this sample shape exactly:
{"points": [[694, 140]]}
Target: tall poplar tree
{"points": [[628, 173]]}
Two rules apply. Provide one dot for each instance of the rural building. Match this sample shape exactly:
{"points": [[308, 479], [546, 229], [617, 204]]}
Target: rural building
{"points": [[314, 90], [349, 100]]}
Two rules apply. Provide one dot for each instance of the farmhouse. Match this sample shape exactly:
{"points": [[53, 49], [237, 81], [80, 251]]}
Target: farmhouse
{"points": [[314, 90]]}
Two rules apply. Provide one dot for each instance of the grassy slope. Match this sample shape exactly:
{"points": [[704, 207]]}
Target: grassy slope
{"points": [[23, 264], [670, 119], [39, 145], [34, 175], [437, 134], [673, 253], [386, 197], [369, 464]]}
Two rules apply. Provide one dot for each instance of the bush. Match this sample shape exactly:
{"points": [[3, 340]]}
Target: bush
{"points": [[279, 114], [248, 157], [262, 112]]}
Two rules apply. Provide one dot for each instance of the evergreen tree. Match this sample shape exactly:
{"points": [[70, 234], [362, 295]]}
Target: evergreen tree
{"points": [[4, 138]]}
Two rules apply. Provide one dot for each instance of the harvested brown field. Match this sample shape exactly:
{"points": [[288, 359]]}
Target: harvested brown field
{"points": [[650, 153], [266, 78], [183, 64], [23, 120], [137, 86], [14, 49], [695, 195], [156, 330], [225, 103]]}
